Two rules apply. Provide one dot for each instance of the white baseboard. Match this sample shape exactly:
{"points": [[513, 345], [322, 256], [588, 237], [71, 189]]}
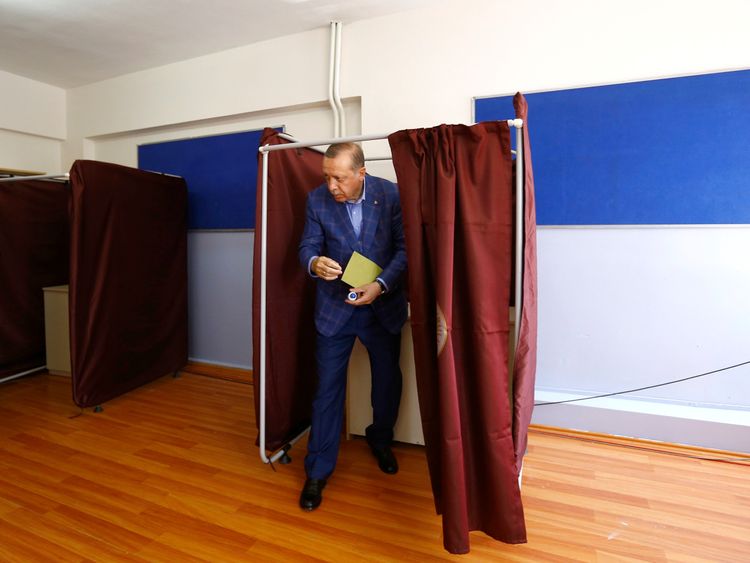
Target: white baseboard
{"points": [[706, 427]]}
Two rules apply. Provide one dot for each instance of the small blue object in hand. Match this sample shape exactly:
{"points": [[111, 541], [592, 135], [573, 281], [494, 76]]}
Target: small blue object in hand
{"points": [[352, 296]]}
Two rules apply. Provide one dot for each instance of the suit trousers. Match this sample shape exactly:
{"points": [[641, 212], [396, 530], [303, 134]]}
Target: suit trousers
{"points": [[332, 355]]}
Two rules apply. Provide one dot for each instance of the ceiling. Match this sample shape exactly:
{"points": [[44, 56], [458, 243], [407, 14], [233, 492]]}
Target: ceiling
{"points": [[69, 43]]}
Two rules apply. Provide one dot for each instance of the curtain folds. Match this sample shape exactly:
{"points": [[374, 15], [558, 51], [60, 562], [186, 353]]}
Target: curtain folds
{"points": [[290, 294], [34, 232], [456, 193], [128, 282]]}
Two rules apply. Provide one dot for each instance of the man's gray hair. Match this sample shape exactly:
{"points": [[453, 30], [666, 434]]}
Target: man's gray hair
{"points": [[354, 150]]}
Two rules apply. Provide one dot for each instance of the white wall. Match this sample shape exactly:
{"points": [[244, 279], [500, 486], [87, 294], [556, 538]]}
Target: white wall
{"points": [[32, 124], [284, 73], [631, 307], [20, 151], [422, 68], [220, 284], [643, 306]]}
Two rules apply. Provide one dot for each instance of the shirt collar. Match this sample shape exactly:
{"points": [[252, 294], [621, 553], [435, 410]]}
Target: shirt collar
{"points": [[361, 197]]}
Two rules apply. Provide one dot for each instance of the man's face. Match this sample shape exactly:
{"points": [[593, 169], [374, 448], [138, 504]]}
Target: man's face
{"points": [[343, 182]]}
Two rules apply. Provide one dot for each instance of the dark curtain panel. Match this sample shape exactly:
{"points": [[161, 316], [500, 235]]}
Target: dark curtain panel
{"points": [[524, 374], [128, 279], [34, 232], [456, 194], [290, 330]]}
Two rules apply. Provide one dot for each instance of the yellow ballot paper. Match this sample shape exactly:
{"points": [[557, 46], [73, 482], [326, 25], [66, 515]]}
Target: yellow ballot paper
{"points": [[360, 270]]}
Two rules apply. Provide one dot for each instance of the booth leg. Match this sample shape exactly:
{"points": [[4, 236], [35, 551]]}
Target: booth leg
{"points": [[98, 408], [285, 458]]}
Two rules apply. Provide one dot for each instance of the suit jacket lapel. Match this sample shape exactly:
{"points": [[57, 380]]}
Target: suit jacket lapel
{"points": [[343, 221], [371, 212]]}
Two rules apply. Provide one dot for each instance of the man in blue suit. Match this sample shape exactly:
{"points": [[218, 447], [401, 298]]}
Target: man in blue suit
{"points": [[353, 211]]}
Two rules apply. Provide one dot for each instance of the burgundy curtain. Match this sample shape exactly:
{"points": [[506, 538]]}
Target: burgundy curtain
{"points": [[290, 331], [524, 375], [34, 232], [128, 279], [456, 193]]}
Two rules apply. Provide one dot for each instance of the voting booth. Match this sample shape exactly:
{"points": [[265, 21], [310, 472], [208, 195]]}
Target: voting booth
{"points": [[474, 368]]}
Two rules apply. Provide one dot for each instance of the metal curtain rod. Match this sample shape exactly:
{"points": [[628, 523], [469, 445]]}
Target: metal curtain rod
{"points": [[517, 123], [65, 176], [288, 137], [271, 148], [17, 375], [265, 150], [519, 240], [162, 173], [367, 158]]}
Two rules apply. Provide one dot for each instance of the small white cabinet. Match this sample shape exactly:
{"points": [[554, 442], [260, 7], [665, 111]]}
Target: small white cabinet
{"points": [[56, 329], [359, 410]]}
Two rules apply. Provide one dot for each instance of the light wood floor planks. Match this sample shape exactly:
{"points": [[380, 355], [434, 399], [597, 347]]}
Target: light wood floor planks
{"points": [[170, 472]]}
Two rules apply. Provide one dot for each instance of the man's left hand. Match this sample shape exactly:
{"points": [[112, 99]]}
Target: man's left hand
{"points": [[366, 294]]}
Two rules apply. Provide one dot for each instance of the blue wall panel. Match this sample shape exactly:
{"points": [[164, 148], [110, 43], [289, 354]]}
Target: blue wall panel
{"points": [[671, 151], [221, 174]]}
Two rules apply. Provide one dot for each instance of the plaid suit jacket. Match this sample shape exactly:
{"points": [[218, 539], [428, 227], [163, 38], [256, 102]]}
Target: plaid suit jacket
{"points": [[329, 232]]}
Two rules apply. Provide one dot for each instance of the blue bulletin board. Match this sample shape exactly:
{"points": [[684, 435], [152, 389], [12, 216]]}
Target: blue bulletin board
{"points": [[670, 151], [221, 174]]}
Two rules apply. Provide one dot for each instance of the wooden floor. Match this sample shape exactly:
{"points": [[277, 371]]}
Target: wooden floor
{"points": [[170, 472]]}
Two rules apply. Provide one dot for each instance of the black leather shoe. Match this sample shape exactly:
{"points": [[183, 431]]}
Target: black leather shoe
{"points": [[312, 494], [386, 460]]}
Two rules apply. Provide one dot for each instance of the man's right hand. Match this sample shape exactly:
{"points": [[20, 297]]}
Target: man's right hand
{"points": [[326, 268]]}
